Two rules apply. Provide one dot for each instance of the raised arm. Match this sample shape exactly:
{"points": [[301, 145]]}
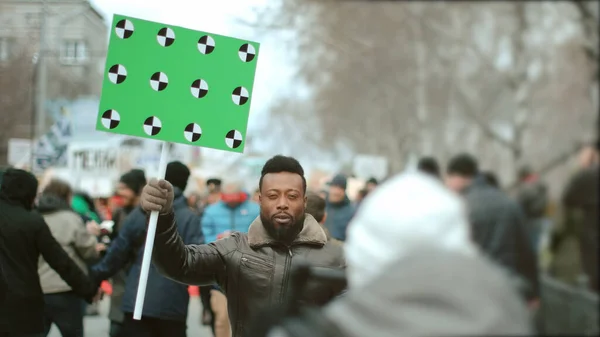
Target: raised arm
{"points": [[192, 264]]}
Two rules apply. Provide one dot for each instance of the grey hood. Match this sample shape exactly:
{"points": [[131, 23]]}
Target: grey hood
{"points": [[433, 292]]}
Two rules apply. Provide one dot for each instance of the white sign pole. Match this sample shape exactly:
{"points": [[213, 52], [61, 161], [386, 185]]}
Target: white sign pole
{"points": [[141, 291]]}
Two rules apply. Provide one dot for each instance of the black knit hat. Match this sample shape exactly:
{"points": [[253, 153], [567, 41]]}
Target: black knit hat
{"points": [[19, 187], [177, 174], [463, 165], [134, 180]]}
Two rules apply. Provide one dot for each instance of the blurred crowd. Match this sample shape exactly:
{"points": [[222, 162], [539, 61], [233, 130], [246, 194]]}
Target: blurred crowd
{"points": [[441, 249]]}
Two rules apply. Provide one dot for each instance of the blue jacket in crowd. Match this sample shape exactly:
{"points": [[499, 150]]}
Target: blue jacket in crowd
{"points": [[339, 215], [219, 217], [165, 299]]}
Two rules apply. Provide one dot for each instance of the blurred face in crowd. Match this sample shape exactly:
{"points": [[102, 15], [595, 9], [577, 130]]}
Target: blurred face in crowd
{"points": [[213, 197], [127, 195], [371, 187], [282, 205], [588, 157], [256, 196], [336, 193], [456, 182]]}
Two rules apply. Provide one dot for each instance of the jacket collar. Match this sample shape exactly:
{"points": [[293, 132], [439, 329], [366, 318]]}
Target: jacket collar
{"points": [[312, 233]]}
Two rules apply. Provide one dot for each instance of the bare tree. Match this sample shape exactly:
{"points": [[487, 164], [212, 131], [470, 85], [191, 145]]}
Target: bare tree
{"points": [[394, 78]]}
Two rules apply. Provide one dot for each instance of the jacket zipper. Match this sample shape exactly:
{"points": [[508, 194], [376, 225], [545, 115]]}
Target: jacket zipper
{"points": [[286, 273]]}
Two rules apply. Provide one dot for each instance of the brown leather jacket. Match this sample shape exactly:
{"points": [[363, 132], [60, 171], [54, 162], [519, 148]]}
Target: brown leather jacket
{"points": [[252, 269]]}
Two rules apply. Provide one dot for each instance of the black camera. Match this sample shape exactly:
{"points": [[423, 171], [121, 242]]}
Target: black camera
{"points": [[294, 318]]}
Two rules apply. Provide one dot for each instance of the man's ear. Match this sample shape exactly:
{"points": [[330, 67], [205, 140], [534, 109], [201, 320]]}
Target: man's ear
{"points": [[324, 218]]}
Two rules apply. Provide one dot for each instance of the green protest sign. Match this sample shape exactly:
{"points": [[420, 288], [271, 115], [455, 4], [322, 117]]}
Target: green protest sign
{"points": [[177, 85]]}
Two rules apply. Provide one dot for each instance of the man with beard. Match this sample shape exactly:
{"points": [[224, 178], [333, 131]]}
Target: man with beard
{"points": [[253, 269]]}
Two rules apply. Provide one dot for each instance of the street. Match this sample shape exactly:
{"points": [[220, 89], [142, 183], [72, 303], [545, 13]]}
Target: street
{"points": [[97, 326]]}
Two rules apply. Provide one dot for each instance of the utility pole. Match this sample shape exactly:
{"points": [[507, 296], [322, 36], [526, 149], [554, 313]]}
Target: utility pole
{"points": [[42, 74]]}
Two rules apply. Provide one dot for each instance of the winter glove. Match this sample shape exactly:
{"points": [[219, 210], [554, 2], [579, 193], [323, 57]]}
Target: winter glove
{"points": [[157, 196]]}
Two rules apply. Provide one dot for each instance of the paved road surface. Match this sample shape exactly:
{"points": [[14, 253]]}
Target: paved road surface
{"points": [[97, 326]]}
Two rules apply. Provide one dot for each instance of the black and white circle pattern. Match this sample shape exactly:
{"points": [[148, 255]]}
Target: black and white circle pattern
{"points": [[111, 119], [159, 81], [240, 95], [247, 52], [206, 44], [199, 88], [233, 139], [124, 29], [192, 132], [152, 126], [165, 37], [117, 74]]}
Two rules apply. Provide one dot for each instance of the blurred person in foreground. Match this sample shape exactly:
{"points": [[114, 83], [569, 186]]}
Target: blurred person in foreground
{"points": [[24, 238], [429, 165], [166, 305], [316, 206], [340, 209], [129, 188], [63, 307], [580, 201], [424, 277], [253, 269], [233, 213], [532, 195], [497, 222]]}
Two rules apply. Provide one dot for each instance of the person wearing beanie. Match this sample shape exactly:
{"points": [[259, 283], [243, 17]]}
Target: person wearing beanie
{"points": [[498, 224], [165, 311], [24, 238], [424, 269], [128, 189], [340, 209]]}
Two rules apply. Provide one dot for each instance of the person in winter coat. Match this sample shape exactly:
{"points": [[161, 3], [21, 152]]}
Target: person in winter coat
{"points": [[253, 269], [317, 207], [166, 305], [532, 195], [24, 237], [497, 222], [233, 213], [340, 209], [129, 187], [580, 200], [63, 307]]}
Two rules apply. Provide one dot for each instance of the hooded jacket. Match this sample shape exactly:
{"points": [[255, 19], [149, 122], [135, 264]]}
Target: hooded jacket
{"points": [[68, 229], [413, 270], [339, 215], [218, 218], [24, 236]]}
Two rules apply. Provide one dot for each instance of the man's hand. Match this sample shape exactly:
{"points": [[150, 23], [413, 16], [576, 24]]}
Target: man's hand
{"points": [[157, 196], [100, 247]]}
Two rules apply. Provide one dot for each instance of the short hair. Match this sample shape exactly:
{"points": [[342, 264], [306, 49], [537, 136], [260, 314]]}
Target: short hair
{"points": [[429, 165], [279, 164], [464, 165], [58, 188], [214, 181], [491, 178], [315, 206]]}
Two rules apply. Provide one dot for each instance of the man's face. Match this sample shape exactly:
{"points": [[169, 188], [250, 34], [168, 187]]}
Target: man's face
{"points": [[336, 193], [282, 205], [128, 196], [456, 183]]}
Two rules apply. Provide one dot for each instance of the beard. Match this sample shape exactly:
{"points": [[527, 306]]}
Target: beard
{"points": [[283, 234]]}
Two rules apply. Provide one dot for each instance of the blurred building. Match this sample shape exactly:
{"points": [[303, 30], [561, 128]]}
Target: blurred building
{"points": [[76, 40]]}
